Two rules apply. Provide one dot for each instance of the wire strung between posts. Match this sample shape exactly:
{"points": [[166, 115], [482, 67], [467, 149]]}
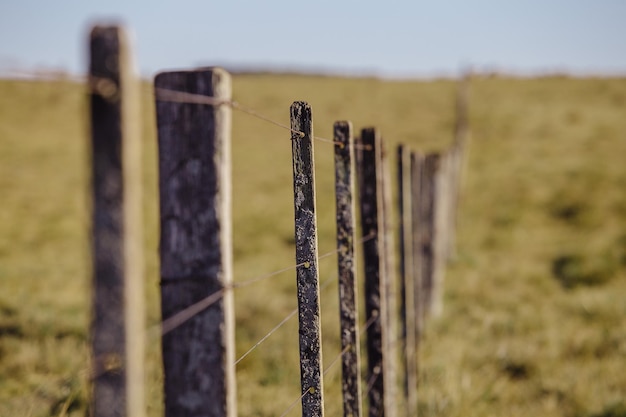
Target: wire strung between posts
{"points": [[279, 325], [297, 400], [163, 94], [189, 312], [182, 316], [371, 381], [334, 361], [293, 404], [245, 283]]}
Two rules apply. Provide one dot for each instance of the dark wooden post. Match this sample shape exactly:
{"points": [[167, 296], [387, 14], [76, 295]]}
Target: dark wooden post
{"points": [[195, 188], [417, 232], [344, 190], [118, 315], [307, 274], [407, 283], [371, 204]]}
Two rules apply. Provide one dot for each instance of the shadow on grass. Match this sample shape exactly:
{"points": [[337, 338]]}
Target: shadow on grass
{"points": [[612, 410], [574, 270]]}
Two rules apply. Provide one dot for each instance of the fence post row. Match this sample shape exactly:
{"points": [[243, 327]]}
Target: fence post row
{"points": [[195, 244], [117, 334], [408, 279], [196, 248], [307, 274], [348, 314]]}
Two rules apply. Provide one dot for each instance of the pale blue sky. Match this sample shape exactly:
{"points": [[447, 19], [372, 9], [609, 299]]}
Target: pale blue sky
{"points": [[390, 38]]}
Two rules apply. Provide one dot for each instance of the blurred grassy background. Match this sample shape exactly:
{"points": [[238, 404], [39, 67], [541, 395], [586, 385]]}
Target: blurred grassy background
{"points": [[534, 303]]}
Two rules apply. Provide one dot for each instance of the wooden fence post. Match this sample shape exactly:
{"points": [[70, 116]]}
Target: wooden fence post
{"points": [[458, 156], [372, 223], [408, 279], [195, 245], [348, 313], [431, 235], [417, 178], [307, 274], [388, 280], [118, 315]]}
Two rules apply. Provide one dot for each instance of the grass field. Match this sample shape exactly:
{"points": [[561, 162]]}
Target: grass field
{"points": [[535, 302]]}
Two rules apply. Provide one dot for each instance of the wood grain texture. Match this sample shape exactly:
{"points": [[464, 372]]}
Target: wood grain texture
{"points": [[195, 244], [307, 274]]}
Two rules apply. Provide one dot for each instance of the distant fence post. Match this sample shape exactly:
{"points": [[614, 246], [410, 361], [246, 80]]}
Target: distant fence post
{"points": [[458, 156], [372, 223], [307, 274], [417, 240], [118, 315], [389, 281], [408, 279], [348, 313], [431, 235], [195, 245]]}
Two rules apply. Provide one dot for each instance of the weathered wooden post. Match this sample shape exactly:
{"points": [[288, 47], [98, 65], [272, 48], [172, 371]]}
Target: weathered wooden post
{"points": [[389, 281], [118, 314], [307, 274], [431, 235], [458, 158], [372, 223], [408, 279], [348, 313], [444, 206], [195, 245], [417, 237]]}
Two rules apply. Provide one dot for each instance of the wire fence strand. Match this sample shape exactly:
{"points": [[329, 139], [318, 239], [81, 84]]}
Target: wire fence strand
{"points": [[189, 312], [163, 94], [264, 338]]}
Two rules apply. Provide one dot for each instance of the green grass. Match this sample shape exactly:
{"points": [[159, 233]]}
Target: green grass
{"points": [[534, 302]]}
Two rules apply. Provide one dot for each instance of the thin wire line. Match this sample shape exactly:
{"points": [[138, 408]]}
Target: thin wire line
{"points": [[278, 326], [293, 404], [245, 283], [334, 361], [189, 312], [370, 383], [258, 115], [182, 316], [164, 94], [369, 322]]}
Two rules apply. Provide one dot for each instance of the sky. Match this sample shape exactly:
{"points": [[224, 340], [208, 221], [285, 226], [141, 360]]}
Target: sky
{"points": [[386, 38]]}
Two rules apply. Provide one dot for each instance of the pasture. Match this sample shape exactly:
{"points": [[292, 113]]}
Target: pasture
{"points": [[535, 302]]}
